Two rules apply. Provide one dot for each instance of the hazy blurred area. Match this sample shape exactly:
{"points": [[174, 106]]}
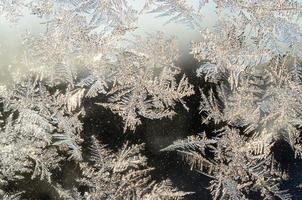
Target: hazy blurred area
{"points": [[11, 48], [11, 43]]}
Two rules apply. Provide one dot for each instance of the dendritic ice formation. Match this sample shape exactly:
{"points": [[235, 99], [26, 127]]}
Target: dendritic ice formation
{"points": [[252, 54], [83, 53], [88, 50], [41, 131]]}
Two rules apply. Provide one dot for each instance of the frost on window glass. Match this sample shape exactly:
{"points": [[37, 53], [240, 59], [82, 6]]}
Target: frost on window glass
{"points": [[91, 55]]}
